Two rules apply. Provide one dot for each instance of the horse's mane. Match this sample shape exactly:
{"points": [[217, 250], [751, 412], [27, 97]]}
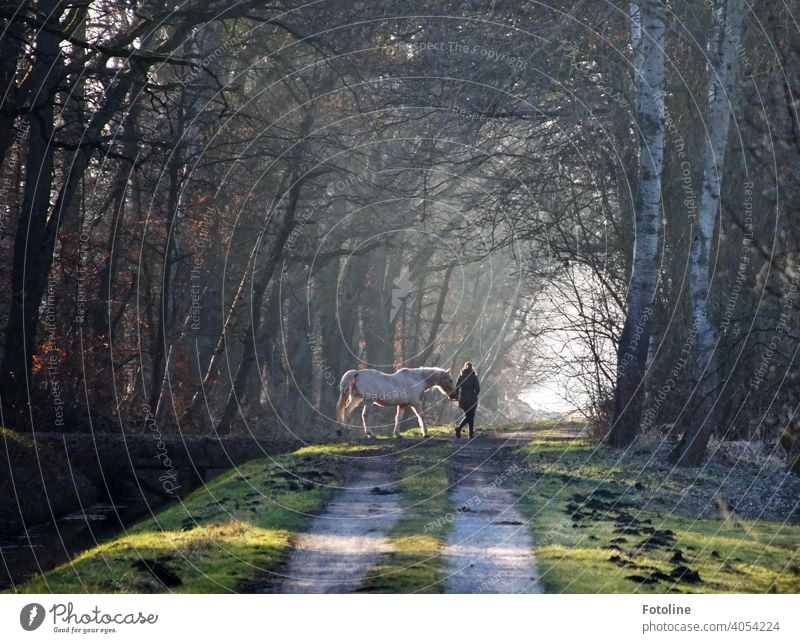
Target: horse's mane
{"points": [[431, 372], [427, 371]]}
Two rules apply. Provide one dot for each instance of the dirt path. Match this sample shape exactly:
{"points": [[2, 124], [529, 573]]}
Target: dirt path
{"points": [[489, 549], [343, 544]]}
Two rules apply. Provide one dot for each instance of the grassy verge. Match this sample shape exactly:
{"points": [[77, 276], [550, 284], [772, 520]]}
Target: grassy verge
{"points": [[593, 537], [219, 537], [416, 562]]}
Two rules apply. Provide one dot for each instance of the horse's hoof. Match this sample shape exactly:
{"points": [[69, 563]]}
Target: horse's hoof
{"points": [[426, 436], [370, 435], [398, 436], [339, 432]]}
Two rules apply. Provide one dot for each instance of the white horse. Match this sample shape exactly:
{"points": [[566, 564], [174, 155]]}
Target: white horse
{"points": [[401, 389]]}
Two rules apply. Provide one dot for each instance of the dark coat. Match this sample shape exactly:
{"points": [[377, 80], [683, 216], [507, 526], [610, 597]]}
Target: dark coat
{"points": [[467, 388]]}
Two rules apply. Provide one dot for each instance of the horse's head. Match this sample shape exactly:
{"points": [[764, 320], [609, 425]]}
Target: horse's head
{"points": [[443, 381]]}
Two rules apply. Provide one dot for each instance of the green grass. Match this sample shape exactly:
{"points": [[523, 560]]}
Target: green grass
{"points": [[544, 427], [416, 562], [434, 431], [578, 555], [17, 438], [240, 527], [219, 537]]}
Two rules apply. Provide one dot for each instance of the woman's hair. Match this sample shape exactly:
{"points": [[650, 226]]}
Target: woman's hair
{"points": [[467, 367]]}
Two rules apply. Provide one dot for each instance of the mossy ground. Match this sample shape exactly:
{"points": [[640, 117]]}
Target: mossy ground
{"points": [[220, 537], [415, 565], [584, 502], [592, 536]]}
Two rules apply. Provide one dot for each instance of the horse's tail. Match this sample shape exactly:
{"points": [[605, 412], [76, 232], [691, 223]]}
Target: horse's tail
{"points": [[346, 390]]}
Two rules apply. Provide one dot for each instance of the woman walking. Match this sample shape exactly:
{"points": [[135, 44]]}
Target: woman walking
{"points": [[466, 392]]}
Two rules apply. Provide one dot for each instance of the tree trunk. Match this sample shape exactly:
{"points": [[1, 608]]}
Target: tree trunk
{"points": [[339, 290], [37, 231], [163, 348], [723, 61], [647, 37], [436, 322], [118, 200], [377, 327], [285, 224], [11, 43], [211, 370], [298, 351], [32, 253]]}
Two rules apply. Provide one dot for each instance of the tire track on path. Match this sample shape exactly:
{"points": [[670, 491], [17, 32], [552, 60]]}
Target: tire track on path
{"points": [[341, 546], [489, 548]]}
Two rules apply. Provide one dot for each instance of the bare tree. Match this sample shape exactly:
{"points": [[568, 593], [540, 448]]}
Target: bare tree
{"points": [[723, 63], [647, 38]]}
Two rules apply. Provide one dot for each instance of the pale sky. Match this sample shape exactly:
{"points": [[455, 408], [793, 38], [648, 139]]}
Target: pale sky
{"points": [[547, 398]]}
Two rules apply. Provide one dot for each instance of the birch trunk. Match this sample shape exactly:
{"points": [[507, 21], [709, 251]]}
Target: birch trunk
{"points": [[647, 39], [725, 34]]}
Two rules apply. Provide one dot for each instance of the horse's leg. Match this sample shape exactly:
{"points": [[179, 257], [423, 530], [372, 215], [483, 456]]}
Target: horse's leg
{"points": [[398, 417], [364, 414], [422, 424], [353, 405]]}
